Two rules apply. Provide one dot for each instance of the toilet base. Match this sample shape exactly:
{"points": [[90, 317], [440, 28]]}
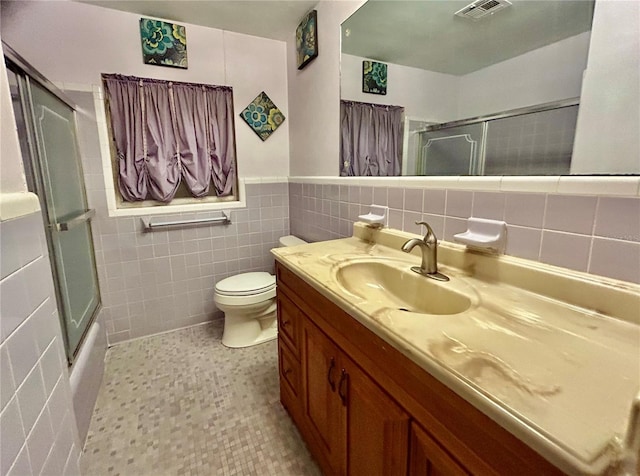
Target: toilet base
{"points": [[264, 336], [243, 331]]}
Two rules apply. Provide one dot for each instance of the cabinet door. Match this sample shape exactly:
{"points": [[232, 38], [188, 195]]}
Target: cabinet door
{"points": [[324, 410], [289, 323], [427, 458], [290, 382], [378, 429]]}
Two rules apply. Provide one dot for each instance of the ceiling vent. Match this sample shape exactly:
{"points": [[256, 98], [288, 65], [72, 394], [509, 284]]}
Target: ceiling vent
{"points": [[481, 8]]}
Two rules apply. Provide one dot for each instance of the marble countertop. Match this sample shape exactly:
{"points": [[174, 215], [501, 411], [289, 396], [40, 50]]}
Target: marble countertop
{"points": [[561, 377]]}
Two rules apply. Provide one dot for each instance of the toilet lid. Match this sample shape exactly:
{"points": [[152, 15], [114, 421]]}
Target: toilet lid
{"points": [[246, 284]]}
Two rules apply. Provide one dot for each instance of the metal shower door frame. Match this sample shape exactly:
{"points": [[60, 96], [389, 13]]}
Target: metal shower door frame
{"points": [[26, 74]]}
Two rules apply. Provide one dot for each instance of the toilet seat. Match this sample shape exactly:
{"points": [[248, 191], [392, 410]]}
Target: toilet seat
{"points": [[246, 284]]}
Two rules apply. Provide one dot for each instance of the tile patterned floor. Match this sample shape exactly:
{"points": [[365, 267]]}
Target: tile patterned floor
{"points": [[183, 404]]}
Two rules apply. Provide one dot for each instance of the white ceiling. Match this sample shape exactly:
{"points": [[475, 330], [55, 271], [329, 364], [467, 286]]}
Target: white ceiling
{"points": [[420, 33], [426, 34], [275, 19]]}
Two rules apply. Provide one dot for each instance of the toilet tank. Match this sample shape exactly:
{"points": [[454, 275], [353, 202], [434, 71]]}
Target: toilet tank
{"points": [[290, 240]]}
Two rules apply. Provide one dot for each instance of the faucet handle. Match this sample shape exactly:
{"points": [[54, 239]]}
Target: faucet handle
{"points": [[430, 237]]}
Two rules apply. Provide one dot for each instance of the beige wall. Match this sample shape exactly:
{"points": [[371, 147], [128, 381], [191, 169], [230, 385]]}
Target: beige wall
{"points": [[426, 95], [523, 81], [314, 96], [92, 40], [511, 84], [609, 119]]}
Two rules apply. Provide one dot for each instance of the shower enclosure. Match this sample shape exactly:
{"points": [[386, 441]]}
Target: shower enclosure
{"points": [[47, 130], [529, 141]]}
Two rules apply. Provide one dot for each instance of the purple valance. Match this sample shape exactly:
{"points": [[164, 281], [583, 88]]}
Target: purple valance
{"points": [[166, 132]]}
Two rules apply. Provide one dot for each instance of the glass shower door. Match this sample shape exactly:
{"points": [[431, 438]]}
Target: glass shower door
{"points": [[452, 151], [61, 185]]}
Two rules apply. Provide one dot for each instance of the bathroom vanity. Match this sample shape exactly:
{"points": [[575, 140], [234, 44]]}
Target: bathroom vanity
{"points": [[499, 371]]}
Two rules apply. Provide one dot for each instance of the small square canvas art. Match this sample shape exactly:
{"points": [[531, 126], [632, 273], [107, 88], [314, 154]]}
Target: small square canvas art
{"points": [[374, 77], [163, 44], [307, 39], [262, 116]]}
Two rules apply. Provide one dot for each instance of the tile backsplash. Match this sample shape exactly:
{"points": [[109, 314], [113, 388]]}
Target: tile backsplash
{"points": [[162, 280], [599, 235], [37, 422]]}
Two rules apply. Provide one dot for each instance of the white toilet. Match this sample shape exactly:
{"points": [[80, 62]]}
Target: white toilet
{"points": [[248, 301]]}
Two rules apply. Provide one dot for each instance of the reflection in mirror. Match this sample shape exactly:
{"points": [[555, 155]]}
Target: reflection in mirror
{"points": [[480, 94]]}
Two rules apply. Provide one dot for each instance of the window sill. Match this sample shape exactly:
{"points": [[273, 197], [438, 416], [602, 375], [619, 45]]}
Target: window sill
{"points": [[179, 205]]}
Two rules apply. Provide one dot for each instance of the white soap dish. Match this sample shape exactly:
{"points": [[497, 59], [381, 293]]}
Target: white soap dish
{"points": [[484, 234], [376, 217]]}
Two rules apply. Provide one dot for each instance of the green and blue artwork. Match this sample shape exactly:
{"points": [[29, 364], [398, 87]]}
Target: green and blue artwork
{"points": [[374, 77], [307, 39], [263, 116], [163, 44]]}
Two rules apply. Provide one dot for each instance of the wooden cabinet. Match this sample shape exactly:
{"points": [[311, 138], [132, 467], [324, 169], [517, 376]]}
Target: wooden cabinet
{"points": [[377, 427], [324, 411], [428, 458], [359, 428], [363, 408], [289, 322]]}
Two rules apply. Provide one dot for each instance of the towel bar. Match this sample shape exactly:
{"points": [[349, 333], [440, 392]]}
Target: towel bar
{"points": [[148, 225]]}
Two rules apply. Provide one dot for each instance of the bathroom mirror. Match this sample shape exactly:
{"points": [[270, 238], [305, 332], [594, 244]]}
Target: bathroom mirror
{"points": [[486, 88]]}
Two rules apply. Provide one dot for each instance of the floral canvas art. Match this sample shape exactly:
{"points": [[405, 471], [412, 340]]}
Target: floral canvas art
{"points": [[307, 39], [163, 44], [374, 77], [263, 116]]}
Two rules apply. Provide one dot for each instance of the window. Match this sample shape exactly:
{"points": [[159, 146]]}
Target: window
{"points": [[170, 140]]}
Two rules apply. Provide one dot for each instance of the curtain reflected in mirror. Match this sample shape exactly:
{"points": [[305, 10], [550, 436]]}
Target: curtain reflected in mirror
{"points": [[371, 139]]}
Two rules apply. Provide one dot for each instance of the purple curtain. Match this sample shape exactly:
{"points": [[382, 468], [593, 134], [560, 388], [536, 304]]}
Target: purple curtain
{"points": [[192, 137], [222, 153], [371, 139], [126, 122], [162, 154], [167, 132]]}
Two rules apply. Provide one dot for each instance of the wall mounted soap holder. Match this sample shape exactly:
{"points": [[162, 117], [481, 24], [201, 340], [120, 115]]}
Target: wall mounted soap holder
{"points": [[376, 217], [484, 234]]}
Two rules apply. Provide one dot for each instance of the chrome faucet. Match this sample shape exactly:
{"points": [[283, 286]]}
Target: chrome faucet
{"points": [[429, 248]]}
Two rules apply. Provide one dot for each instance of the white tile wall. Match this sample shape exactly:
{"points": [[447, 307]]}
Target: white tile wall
{"points": [[489, 205], [459, 203], [608, 222], [597, 234], [570, 213], [524, 242], [565, 249], [616, 259], [525, 209], [38, 432]]}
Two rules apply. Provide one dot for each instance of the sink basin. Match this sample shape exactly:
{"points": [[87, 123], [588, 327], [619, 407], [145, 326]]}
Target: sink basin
{"points": [[400, 288]]}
